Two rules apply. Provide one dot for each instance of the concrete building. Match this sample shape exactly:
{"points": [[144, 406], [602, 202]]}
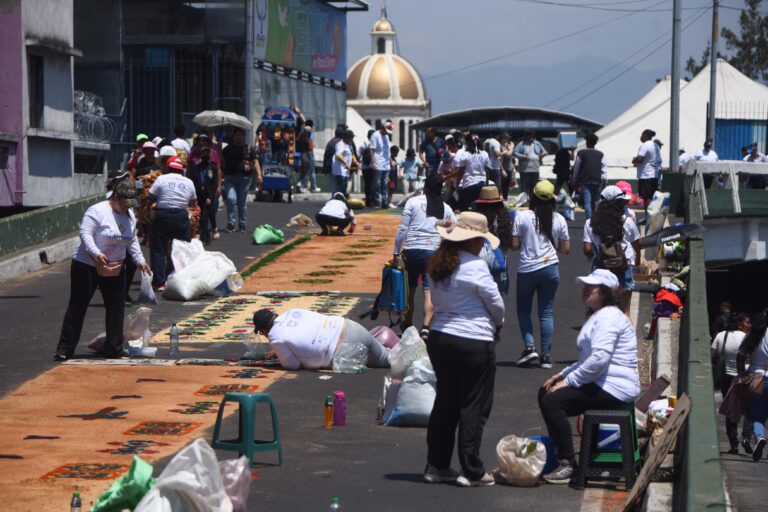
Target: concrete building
{"points": [[39, 146]]}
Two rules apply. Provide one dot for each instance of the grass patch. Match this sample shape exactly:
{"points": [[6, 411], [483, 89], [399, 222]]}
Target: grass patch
{"points": [[313, 281], [319, 273], [274, 255], [364, 246], [355, 253], [336, 266], [349, 258]]}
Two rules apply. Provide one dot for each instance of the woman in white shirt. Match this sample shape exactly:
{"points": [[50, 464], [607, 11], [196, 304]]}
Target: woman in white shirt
{"points": [[469, 313], [539, 233], [107, 232], [336, 213], [417, 238], [469, 168], [755, 347], [604, 377]]}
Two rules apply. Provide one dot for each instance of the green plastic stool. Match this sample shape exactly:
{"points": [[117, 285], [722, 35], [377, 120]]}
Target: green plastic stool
{"points": [[245, 444]]}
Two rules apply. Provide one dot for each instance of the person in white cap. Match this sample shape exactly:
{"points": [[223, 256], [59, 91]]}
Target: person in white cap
{"points": [[380, 144], [683, 158], [610, 226], [469, 315], [604, 377]]}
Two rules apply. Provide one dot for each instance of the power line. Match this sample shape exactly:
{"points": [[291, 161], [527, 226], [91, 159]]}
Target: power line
{"points": [[600, 7]]}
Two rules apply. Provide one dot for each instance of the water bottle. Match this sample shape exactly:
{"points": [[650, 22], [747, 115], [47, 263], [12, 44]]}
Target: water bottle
{"points": [[173, 353], [335, 505], [328, 412], [339, 409], [76, 505]]}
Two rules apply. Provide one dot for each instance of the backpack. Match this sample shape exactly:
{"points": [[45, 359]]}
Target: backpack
{"points": [[610, 255], [330, 150], [499, 268], [393, 297], [366, 156]]}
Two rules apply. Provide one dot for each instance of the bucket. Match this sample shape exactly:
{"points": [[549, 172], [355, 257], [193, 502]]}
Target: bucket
{"points": [[549, 444]]}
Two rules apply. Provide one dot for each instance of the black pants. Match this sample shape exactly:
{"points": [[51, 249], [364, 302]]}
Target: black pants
{"points": [[369, 182], [207, 215], [83, 283], [528, 181], [326, 220], [467, 196], [465, 372], [493, 175], [170, 224], [731, 427], [558, 406], [560, 182], [506, 181], [129, 267]]}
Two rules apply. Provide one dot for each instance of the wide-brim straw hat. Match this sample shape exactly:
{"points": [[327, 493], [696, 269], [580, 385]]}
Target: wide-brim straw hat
{"points": [[468, 225], [489, 195]]}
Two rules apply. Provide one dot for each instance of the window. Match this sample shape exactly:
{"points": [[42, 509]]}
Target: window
{"points": [[36, 91], [380, 45]]}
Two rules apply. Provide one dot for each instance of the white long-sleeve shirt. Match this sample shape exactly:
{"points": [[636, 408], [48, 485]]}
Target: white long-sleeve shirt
{"points": [[758, 359], [417, 230], [607, 346], [103, 230], [468, 303], [305, 339]]}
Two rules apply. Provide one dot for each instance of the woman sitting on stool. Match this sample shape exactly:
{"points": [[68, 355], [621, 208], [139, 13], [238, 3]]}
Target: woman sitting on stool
{"points": [[604, 377], [336, 213]]}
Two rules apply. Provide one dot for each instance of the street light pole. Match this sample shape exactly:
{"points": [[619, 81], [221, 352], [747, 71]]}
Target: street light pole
{"points": [[713, 73], [674, 118]]}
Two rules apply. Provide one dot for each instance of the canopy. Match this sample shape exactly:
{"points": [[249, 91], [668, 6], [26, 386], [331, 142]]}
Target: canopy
{"points": [[214, 118], [358, 125]]}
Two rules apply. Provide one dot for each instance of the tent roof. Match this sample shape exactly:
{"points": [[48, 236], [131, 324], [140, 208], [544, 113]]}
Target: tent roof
{"points": [[358, 125]]}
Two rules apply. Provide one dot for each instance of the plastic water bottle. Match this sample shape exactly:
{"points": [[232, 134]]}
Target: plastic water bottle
{"points": [[328, 412], [335, 505], [76, 505], [174, 349], [339, 409]]}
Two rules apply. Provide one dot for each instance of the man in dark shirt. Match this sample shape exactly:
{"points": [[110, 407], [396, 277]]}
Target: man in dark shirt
{"points": [[205, 177], [239, 162], [562, 167], [589, 171], [430, 151]]}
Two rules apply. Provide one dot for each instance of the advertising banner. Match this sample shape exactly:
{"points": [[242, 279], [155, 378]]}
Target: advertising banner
{"points": [[301, 34]]}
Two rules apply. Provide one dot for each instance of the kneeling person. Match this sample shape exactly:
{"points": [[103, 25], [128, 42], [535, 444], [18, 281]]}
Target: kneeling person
{"points": [[336, 213], [305, 339]]}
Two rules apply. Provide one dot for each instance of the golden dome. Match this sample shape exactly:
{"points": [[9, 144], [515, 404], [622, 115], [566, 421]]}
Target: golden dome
{"points": [[383, 25], [384, 77]]}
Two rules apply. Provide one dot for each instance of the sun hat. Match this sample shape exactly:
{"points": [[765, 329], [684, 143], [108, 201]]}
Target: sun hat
{"points": [[148, 145], [468, 225], [612, 192], [142, 136], [544, 190], [488, 195], [175, 164], [127, 191], [601, 277]]}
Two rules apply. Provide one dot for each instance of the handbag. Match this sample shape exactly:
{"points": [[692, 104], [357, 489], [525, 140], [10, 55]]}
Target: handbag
{"points": [[719, 377], [751, 384]]}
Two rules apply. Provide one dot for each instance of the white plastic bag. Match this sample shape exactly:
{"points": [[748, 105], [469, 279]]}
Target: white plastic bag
{"points": [[566, 206], [136, 327], [300, 220], [521, 200], [350, 358], [191, 482], [521, 461], [184, 253], [410, 348], [255, 346], [415, 397], [147, 294], [200, 277], [236, 475], [388, 398]]}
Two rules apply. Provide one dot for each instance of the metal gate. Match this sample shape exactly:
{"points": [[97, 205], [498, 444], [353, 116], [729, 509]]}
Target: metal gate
{"points": [[738, 125]]}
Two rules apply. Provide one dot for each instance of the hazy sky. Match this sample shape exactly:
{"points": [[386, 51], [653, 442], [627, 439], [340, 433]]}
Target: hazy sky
{"points": [[439, 37]]}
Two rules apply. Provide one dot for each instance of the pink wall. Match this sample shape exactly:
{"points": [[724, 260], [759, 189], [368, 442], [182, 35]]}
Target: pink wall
{"points": [[11, 97]]}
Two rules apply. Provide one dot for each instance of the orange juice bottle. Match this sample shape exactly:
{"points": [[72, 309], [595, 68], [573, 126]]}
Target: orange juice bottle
{"points": [[328, 412]]}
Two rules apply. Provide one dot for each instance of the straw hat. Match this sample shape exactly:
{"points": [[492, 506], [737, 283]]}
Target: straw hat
{"points": [[468, 225], [489, 194]]}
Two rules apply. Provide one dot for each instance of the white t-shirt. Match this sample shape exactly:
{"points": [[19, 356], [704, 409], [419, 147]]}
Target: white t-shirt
{"points": [[683, 159], [173, 190], [103, 230], [305, 339], [646, 169], [708, 156], [380, 144], [416, 229], [494, 148], [338, 209], [536, 250], [631, 233], [760, 158], [342, 150], [607, 346], [732, 344], [474, 167]]}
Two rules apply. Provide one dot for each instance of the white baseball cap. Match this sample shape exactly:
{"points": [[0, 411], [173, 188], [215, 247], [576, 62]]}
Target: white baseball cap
{"points": [[167, 151], [600, 276], [612, 192]]}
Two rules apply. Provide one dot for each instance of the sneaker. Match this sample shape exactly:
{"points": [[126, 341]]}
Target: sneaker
{"points": [[757, 454], [241, 228], [546, 362], [747, 447], [316, 190], [733, 451], [392, 205], [216, 235], [432, 475], [62, 355], [230, 228], [527, 357], [424, 333], [484, 481], [159, 289], [561, 475]]}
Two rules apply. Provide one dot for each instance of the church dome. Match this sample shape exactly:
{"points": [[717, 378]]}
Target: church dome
{"points": [[383, 25]]}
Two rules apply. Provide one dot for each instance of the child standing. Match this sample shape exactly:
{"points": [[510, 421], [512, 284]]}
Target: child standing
{"points": [[412, 169]]}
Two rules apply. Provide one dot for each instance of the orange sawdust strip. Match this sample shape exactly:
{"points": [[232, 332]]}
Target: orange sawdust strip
{"points": [[305, 268], [92, 449]]}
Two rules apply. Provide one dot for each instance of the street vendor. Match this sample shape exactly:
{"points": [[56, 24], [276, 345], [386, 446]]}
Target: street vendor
{"points": [[304, 339]]}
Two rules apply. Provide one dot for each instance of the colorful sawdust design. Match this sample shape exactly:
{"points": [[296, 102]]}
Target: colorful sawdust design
{"points": [[162, 428], [223, 389], [133, 447], [197, 408], [318, 273], [347, 258], [364, 246], [87, 471], [35, 437], [107, 413], [355, 253], [313, 281], [246, 373], [336, 266]]}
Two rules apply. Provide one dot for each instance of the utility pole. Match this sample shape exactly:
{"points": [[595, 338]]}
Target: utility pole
{"points": [[674, 118], [713, 73], [248, 90]]}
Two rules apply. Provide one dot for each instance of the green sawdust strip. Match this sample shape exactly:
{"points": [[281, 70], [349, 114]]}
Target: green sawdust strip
{"points": [[274, 255], [349, 258], [374, 240], [355, 253], [365, 246], [336, 266], [319, 273], [313, 281]]}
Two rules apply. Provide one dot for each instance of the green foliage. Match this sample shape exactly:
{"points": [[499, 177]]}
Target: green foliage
{"points": [[749, 48]]}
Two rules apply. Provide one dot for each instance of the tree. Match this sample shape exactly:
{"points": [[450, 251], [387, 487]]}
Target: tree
{"points": [[749, 49], [692, 67]]}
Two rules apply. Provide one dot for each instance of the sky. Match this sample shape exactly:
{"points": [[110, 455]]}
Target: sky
{"points": [[495, 52]]}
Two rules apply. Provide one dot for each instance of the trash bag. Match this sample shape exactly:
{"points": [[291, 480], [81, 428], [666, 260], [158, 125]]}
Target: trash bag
{"points": [[147, 294], [521, 461], [385, 335], [388, 399], [266, 234], [128, 490], [521, 200], [300, 220], [236, 475], [136, 326], [410, 348], [183, 253], [415, 397], [200, 277], [191, 482], [350, 358], [566, 206]]}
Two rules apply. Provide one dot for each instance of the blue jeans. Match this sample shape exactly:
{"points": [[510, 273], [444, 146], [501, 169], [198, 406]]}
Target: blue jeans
{"points": [[544, 283], [590, 194], [235, 192], [380, 190], [758, 413], [340, 184]]}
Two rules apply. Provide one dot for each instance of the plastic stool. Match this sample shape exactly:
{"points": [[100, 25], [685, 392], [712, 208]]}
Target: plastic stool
{"points": [[599, 463], [245, 444]]}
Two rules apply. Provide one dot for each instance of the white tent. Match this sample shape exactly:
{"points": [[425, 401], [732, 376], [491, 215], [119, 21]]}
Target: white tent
{"points": [[620, 138], [358, 125]]}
